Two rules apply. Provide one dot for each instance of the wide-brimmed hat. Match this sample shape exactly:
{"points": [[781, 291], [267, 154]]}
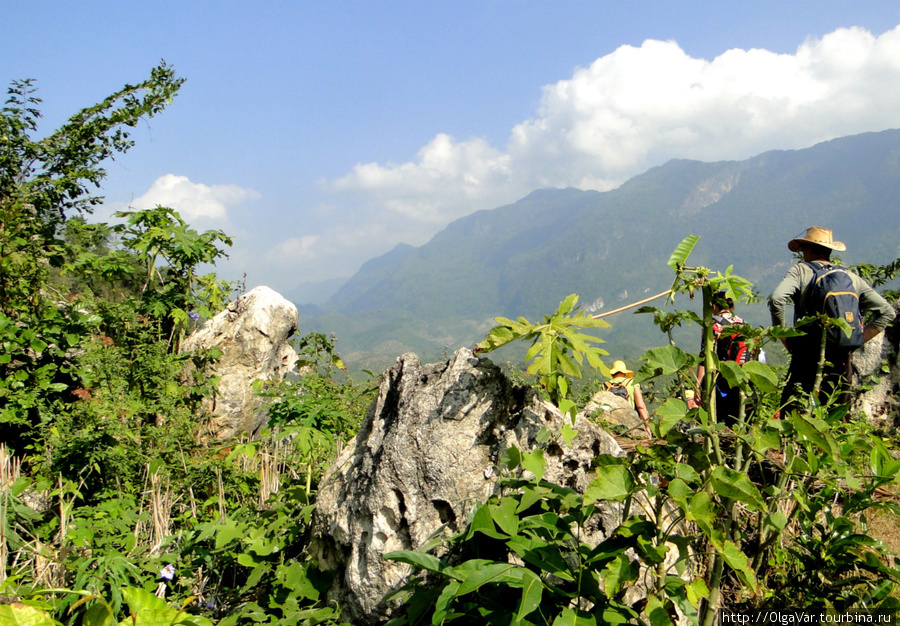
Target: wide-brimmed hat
{"points": [[817, 235], [618, 367]]}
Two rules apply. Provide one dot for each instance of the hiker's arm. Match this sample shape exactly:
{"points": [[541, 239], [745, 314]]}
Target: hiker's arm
{"points": [[870, 301], [784, 293], [641, 409]]}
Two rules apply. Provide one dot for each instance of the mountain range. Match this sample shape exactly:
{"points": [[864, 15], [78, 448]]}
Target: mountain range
{"points": [[611, 248]]}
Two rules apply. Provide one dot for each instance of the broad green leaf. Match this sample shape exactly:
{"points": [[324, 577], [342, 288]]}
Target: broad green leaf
{"points": [[761, 375], [687, 473], [483, 523], [504, 515], [148, 610], [570, 617], [534, 462], [491, 573], [732, 373], [764, 439], [739, 562], [568, 433], [682, 251], [618, 573], [532, 592], [98, 614], [775, 521], [697, 591], [228, 532], [613, 482], [670, 413], [735, 485], [679, 491], [815, 431], [702, 510], [444, 602], [421, 560], [657, 612], [18, 614], [662, 362]]}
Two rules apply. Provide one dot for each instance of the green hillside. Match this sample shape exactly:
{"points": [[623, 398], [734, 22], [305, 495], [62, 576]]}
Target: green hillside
{"points": [[523, 258]]}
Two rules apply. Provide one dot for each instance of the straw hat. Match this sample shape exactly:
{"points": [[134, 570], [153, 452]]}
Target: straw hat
{"points": [[817, 235], [618, 367]]}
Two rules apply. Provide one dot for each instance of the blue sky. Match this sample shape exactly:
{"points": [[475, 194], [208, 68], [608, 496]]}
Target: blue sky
{"points": [[322, 134]]}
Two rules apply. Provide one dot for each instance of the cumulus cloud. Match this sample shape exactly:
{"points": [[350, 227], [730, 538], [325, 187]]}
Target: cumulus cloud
{"points": [[638, 107], [626, 112], [443, 182], [194, 201], [293, 249]]}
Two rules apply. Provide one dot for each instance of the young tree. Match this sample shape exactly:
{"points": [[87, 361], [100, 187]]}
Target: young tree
{"points": [[44, 181]]}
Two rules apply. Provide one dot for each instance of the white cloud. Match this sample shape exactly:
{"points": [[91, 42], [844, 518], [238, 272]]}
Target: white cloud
{"points": [[293, 249], [628, 111], [638, 107], [193, 200]]}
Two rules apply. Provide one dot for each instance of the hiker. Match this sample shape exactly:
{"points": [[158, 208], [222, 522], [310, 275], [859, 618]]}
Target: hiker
{"points": [[623, 385], [803, 285], [728, 347]]}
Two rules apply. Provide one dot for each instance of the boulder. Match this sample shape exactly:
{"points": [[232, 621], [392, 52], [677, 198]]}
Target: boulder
{"points": [[253, 335], [878, 401], [607, 407], [426, 453]]}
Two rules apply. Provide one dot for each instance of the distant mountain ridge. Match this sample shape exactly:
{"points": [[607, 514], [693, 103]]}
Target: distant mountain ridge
{"points": [[611, 247]]}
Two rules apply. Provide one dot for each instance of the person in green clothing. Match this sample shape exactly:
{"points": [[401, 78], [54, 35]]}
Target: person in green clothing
{"points": [[623, 385], [816, 246]]}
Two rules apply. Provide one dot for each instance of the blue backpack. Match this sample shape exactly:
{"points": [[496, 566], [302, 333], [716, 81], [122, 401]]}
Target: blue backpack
{"points": [[831, 292]]}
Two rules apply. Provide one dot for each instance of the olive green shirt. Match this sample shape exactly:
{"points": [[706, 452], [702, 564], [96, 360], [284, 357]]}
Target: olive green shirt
{"points": [[793, 289]]}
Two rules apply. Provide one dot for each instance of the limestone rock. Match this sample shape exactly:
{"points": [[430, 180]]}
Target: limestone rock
{"points": [[426, 453], [879, 403], [253, 335], [612, 409]]}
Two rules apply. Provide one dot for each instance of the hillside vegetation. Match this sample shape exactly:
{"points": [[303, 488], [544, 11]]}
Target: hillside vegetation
{"points": [[116, 507]]}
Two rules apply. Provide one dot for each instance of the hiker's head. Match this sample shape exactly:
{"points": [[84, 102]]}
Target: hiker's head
{"points": [[721, 303], [815, 244], [619, 370]]}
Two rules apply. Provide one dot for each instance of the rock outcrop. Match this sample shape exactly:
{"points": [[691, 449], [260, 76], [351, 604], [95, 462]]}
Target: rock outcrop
{"points": [[879, 403], [253, 335], [426, 453], [612, 409]]}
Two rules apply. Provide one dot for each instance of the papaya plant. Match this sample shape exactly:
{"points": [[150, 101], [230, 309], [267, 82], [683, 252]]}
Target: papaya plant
{"points": [[558, 348], [712, 518]]}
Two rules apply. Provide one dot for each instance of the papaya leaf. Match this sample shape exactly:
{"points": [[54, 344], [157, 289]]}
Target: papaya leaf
{"points": [[682, 251]]}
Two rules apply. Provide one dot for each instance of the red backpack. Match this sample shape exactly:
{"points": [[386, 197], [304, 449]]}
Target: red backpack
{"points": [[730, 346]]}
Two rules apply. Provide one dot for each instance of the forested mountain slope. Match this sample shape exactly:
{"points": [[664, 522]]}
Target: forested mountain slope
{"points": [[611, 247]]}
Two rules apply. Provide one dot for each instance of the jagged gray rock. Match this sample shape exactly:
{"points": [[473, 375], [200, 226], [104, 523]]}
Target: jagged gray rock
{"points": [[425, 455], [613, 409], [879, 403], [253, 335]]}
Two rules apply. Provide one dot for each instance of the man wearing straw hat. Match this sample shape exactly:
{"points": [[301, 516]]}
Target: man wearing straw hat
{"points": [[622, 379], [816, 246]]}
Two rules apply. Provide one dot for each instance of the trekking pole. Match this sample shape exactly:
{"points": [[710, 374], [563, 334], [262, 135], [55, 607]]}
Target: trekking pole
{"points": [[631, 306]]}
